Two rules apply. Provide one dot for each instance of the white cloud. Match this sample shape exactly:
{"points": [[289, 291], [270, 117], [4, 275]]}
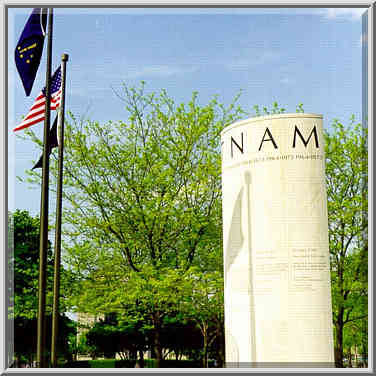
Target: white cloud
{"points": [[286, 81], [352, 14]]}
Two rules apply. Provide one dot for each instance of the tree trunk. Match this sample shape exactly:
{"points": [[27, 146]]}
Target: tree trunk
{"points": [[350, 360], [221, 349], [141, 363], [133, 354], [205, 358], [338, 353], [152, 350], [158, 349], [157, 340]]}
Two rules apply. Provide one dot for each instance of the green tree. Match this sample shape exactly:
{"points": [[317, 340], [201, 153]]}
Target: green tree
{"points": [[181, 336], [84, 348], [142, 207], [25, 262], [142, 196], [346, 178], [25, 338], [205, 308]]}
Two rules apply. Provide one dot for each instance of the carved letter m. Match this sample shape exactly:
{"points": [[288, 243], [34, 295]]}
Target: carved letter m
{"points": [[296, 131]]}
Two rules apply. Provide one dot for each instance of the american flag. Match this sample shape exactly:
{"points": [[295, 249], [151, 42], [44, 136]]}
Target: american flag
{"points": [[36, 112]]}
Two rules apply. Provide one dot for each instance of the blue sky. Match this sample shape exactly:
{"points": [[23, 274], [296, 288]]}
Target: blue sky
{"points": [[313, 56]]}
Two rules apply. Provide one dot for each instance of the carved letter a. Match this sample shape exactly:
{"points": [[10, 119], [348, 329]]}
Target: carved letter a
{"points": [[268, 139]]}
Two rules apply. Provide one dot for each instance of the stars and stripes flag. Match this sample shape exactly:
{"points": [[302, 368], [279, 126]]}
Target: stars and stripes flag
{"points": [[37, 111]]}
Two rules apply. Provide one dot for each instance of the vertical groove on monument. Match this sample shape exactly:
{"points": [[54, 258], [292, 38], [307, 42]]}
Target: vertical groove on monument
{"points": [[275, 236]]}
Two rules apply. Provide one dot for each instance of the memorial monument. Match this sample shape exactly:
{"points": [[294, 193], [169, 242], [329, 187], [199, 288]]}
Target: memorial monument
{"points": [[276, 249]]}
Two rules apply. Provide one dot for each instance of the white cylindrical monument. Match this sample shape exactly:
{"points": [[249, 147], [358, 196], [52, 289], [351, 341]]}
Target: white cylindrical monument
{"points": [[276, 253]]}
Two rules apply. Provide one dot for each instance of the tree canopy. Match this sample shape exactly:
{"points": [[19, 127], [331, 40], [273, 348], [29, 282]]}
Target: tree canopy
{"points": [[347, 179], [142, 204], [143, 223]]}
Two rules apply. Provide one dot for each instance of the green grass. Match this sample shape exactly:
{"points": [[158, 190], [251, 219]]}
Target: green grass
{"points": [[148, 363], [102, 363]]}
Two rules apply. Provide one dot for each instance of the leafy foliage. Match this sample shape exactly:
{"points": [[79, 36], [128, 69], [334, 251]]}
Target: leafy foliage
{"points": [[346, 177], [143, 226], [26, 270], [142, 206], [25, 264]]}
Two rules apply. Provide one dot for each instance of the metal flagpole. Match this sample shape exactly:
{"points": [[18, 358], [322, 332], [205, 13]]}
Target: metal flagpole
{"points": [[55, 312], [248, 183], [43, 243]]}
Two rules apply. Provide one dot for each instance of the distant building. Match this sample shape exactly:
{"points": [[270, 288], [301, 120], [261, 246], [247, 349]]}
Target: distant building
{"points": [[85, 321]]}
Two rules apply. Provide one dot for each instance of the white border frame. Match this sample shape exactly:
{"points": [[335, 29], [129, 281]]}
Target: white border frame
{"points": [[192, 3]]}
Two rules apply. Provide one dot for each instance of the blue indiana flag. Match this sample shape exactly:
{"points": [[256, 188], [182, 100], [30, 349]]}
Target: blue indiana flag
{"points": [[30, 47]]}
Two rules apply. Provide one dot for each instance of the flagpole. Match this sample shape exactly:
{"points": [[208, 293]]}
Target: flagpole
{"points": [[43, 242], [55, 311]]}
